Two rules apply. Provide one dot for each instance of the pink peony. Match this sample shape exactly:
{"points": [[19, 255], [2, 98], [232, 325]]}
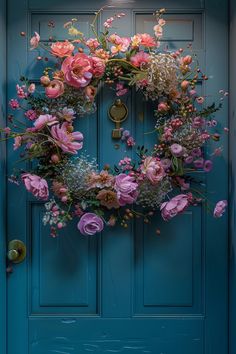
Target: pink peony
{"points": [[98, 67], [140, 58], [34, 42], [62, 49], [67, 141], [153, 169], [126, 189], [146, 40], [78, 70], [36, 185], [90, 224], [174, 207], [220, 208], [43, 120], [54, 89]]}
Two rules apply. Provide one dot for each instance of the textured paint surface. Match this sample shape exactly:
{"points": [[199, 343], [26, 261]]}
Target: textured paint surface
{"points": [[126, 291]]}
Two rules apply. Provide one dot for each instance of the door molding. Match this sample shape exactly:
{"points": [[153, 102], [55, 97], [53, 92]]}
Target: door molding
{"points": [[232, 181], [3, 298]]}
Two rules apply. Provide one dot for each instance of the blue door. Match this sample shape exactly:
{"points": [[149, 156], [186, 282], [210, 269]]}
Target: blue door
{"points": [[128, 290]]}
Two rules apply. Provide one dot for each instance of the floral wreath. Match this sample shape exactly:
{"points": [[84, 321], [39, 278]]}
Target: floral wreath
{"points": [[158, 180]]}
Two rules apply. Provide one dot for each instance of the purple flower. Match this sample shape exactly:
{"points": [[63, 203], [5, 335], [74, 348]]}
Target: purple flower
{"points": [[90, 224], [196, 152], [208, 164], [188, 159], [174, 207], [176, 150], [36, 185], [126, 189], [220, 208], [198, 122], [199, 163]]}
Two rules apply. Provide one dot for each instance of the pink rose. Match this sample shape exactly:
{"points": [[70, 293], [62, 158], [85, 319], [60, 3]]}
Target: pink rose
{"points": [[43, 120], [220, 208], [140, 58], [54, 89], [90, 224], [78, 70], [126, 189], [67, 141], [174, 207], [176, 150], [62, 49], [34, 41], [36, 185], [98, 67], [153, 169]]}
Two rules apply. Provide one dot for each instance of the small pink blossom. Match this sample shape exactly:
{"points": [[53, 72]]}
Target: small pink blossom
{"points": [[67, 141], [208, 164], [98, 67], [162, 107], [174, 207], [21, 91], [92, 43], [31, 114], [14, 104], [17, 142], [31, 88], [220, 208], [7, 130], [34, 41], [200, 99], [130, 141]]}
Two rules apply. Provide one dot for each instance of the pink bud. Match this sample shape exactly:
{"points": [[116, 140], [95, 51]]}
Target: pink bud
{"points": [[162, 107], [187, 60], [45, 81], [60, 225], [55, 158], [64, 199], [184, 85]]}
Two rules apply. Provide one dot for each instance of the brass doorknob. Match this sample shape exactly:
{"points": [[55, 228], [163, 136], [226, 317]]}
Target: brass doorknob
{"points": [[16, 251]]}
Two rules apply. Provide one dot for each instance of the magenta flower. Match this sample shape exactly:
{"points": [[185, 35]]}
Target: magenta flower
{"points": [[176, 150], [67, 141], [126, 189], [174, 207], [208, 164], [90, 224], [36, 185], [220, 208], [31, 114], [199, 163]]}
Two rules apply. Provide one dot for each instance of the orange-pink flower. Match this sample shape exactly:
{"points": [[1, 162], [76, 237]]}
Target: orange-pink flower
{"points": [[62, 49], [108, 199], [54, 89], [146, 40]]}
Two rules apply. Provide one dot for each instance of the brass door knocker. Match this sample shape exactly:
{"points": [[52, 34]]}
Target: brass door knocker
{"points": [[118, 113]]}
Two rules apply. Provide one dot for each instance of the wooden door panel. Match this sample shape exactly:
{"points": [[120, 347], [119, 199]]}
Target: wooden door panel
{"points": [[125, 291]]}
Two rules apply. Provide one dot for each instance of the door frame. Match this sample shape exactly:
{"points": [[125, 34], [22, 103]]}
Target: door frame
{"points": [[232, 178], [3, 105]]}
